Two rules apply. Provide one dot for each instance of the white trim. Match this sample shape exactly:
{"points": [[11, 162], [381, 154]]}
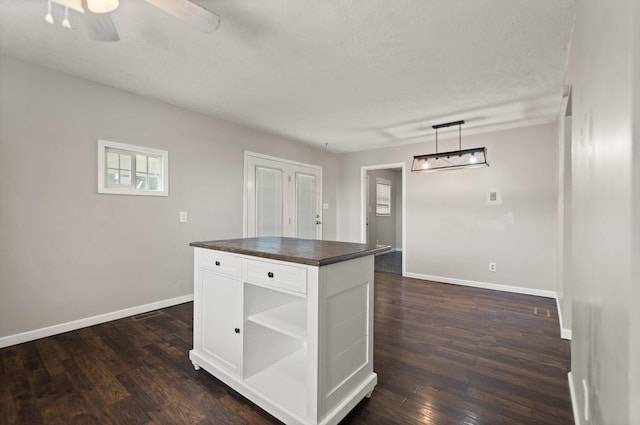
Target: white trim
{"points": [[574, 404], [7, 341], [484, 285], [275, 158], [564, 333], [363, 204]]}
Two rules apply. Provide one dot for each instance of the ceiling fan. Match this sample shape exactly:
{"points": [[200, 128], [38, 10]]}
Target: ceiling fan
{"points": [[100, 27]]}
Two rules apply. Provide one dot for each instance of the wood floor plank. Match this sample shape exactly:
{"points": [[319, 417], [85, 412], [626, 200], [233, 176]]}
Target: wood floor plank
{"points": [[444, 354]]}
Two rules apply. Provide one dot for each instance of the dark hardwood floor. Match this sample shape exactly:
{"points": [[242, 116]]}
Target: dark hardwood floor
{"points": [[444, 354]]}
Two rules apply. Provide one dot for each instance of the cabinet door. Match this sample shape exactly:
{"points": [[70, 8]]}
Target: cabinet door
{"points": [[222, 319]]}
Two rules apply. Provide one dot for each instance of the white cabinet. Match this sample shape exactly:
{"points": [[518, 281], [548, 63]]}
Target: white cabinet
{"points": [[221, 322], [295, 339]]}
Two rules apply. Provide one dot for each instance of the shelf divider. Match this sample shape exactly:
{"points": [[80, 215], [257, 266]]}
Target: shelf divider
{"points": [[289, 319]]}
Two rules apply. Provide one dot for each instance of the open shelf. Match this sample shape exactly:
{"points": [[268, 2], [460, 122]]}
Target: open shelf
{"points": [[289, 319], [284, 382]]}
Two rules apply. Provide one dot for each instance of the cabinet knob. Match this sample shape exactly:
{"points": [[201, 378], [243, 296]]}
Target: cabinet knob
{"points": [[237, 330], [217, 263], [270, 274]]}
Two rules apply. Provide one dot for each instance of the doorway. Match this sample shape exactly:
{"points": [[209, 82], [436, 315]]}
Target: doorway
{"points": [[282, 198], [383, 213]]}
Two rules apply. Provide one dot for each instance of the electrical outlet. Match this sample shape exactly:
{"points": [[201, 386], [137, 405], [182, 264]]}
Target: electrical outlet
{"points": [[183, 216], [492, 267]]}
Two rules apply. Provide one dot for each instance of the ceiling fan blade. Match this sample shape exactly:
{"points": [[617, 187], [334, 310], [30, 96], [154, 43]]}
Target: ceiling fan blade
{"points": [[99, 25], [192, 13]]}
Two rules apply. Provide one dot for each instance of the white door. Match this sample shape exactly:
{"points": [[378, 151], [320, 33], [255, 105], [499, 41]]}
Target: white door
{"points": [[283, 198]]}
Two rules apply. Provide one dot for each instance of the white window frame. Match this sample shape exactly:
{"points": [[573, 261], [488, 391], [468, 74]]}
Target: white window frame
{"points": [[379, 203], [103, 187]]}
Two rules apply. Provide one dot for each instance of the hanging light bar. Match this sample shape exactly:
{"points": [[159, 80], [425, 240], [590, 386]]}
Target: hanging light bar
{"points": [[453, 160]]}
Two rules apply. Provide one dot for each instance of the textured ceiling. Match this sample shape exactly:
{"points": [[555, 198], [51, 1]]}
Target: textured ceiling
{"points": [[344, 75]]}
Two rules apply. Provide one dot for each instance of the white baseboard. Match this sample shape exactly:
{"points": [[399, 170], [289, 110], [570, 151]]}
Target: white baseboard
{"points": [[574, 404], [484, 285], [564, 332], [7, 341]]}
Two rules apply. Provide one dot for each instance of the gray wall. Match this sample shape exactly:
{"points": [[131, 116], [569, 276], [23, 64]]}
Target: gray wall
{"points": [[450, 231], [604, 70], [67, 253]]}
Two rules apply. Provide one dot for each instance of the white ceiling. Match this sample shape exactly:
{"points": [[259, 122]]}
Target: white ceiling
{"points": [[343, 75]]}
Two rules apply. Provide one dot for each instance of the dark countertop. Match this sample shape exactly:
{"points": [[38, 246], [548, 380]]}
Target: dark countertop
{"points": [[303, 251]]}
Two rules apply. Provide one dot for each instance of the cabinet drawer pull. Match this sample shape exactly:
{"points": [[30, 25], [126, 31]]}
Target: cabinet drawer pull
{"points": [[217, 263], [270, 274], [237, 330]]}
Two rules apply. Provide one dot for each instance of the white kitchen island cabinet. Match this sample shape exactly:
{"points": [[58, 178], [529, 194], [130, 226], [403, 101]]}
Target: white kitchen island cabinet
{"points": [[287, 323]]}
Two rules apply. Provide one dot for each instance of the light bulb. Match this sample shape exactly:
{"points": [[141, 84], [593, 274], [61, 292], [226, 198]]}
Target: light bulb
{"points": [[65, 21], [48, 18], [473, 159], [424, 165]]}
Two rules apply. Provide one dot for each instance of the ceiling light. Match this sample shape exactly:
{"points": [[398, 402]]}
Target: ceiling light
{"points": [[102, 6], [453, 160]]}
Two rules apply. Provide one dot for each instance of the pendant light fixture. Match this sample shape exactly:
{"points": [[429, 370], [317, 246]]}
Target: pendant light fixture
{"points": [[453, 160]]}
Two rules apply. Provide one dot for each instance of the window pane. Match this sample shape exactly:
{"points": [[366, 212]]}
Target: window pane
{"points": [[128, 169], [154, 165], [141, 163], [383, 198], [125, 162], [125, 177], [141, 181], [112, 176], [112, 160], [305, 206], [268, 202], [153, 182]]}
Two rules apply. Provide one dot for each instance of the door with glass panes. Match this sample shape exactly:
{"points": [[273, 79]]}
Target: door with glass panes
{"points": [[283, 198]]}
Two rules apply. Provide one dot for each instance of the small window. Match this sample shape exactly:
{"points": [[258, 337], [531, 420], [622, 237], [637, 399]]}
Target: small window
{"points": [[383, 197], [132, 170]]}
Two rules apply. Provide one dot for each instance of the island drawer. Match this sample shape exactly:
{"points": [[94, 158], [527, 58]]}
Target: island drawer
{"points": [[219, 262], [277, 276]]}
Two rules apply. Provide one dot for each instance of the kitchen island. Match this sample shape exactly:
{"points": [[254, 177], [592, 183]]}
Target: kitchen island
{"points": [[288, 323]]}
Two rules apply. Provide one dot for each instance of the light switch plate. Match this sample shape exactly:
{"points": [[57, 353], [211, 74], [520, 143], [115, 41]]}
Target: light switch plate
{"points": [[494, 197], [183, 216]]}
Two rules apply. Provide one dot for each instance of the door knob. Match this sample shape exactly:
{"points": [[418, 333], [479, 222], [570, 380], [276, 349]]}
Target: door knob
{"points": [[237, 330]]}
